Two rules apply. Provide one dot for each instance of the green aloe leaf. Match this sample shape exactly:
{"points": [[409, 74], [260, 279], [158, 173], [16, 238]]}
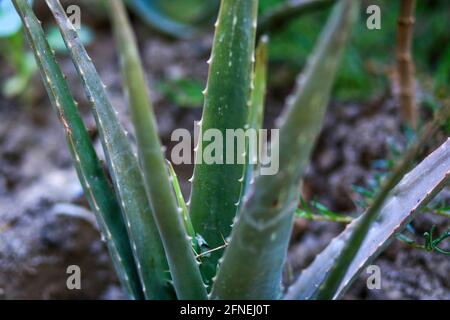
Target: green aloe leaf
{"points": [[413, 192], [123, 165], [183, 265], [253, 262], [337, 273], [256, 112], [181, 203], [97, 189], [216, 187]]}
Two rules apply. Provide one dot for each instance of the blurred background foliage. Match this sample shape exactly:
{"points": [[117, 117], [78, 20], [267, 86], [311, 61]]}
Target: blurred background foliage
{"points": [[371, 53], [367, 70]]}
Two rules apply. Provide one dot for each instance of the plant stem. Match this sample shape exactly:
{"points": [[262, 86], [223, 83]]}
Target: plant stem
{"points": [[405, 63], [217, 185]]}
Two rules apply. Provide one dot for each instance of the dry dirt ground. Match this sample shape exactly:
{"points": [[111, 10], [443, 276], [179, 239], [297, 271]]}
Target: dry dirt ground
{"points": [[45, 225]]}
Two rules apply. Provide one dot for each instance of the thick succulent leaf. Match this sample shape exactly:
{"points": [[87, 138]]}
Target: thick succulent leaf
{"points": [[287, 11], [123, 165], [331, 283], [413, 192], [180, 200], [253, 262], [183, 265], [256, 112], [97, 189], [216, 188]]}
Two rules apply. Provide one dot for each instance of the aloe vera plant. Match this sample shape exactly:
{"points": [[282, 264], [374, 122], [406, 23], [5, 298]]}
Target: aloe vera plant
{"points": [[230, 240]]}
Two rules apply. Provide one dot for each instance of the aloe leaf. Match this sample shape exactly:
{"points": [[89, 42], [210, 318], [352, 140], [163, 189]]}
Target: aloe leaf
{"points": [[413, 192], [254, 259], [337, 273], [97, 189], [183, 265], [216, 187], [334, 277], [128, 182], [180, 200], [256, 113], [285, 12], [260, 83], [150, 12]]}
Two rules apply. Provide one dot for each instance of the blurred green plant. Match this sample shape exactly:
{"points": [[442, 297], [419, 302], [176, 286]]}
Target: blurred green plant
{"points": [[14, 51], [183, 92], [362, 74]]}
